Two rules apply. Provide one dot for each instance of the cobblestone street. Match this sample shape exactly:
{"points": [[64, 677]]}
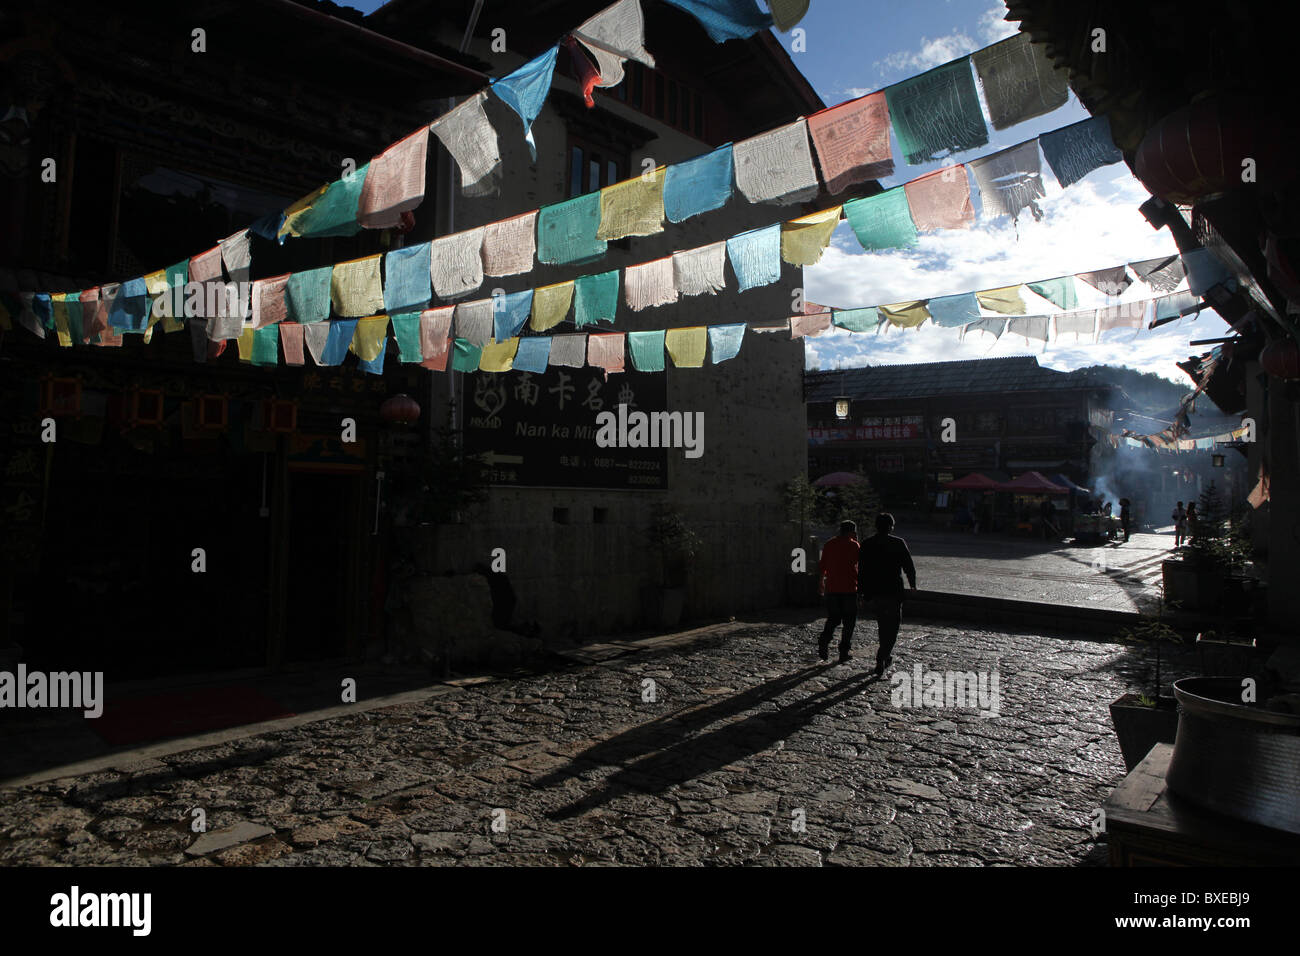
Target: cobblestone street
{"points": [[747, 737]]}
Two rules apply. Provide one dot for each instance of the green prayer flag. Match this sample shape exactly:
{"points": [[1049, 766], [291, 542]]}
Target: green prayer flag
{"points": [[266, 345], [595, 298], [406, 329], [1060, 292], [856, 320], [465, 356], [647, 350], [883, 221]]}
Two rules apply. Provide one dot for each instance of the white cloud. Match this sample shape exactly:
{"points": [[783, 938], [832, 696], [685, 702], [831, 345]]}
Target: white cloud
{"points": [[1092, 225], [992, 27], [853, 92], [932, 53]]}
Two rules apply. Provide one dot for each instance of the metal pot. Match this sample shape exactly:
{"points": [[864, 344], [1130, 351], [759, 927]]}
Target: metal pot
{"points": [[1233, 758]]}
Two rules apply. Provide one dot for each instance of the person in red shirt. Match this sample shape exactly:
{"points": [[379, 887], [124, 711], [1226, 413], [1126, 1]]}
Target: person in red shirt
{"points": [[839, 583]]}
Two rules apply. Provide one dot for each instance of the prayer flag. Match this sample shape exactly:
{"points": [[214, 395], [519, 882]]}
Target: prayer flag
{"points": [[595, 298], [620, 29], [1019, 80], [1030, 326], [634, 207], [803, 240], [725, 341], [756, 256], [687, 346], [406, 329], [408, 280], [292, 341], [316, 336], [456, 263], [1060, 292], [268, 301], [852, 141], [810, 324], [509, 313], [369, 337], [1076, 150], [551, 305], [941, 200], [472, 142], [649, 284], [266, 345], [856, 320], [355, 288], [566, 231], [394, 182], [883, 221], [1010, 181], [904, 315], [777, 166], [937, 113], [435, 337], [1082, 322], [726, 19], [474, 321], [532, 354], [524, 91], [1006, 300], [341, 332], [1110, 281], [605, 351], [701, 271], [954, 311], [647, 350], [1163, 274], [307, 295], [334, 213], [569, 350], [699, 185], [498, 356], [509, 246], [465, 356]]}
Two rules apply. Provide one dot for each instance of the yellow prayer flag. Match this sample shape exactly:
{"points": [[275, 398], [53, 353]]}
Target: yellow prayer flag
{"points": [[551, 305], [296, 210], [803, 240], [355, 288], [155, 283], [1006, 300], [498, 356], [634, 207], [368, 338], [687, 346], [246, 344], [905, 315], [59, 306]]}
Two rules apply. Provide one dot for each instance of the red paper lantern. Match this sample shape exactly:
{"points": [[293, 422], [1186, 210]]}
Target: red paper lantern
{"points": [[400, 410], [1281, 359], [1200, 149]]}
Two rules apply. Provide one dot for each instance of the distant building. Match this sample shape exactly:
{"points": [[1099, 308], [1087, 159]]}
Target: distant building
{"points": [[1003, 415]]}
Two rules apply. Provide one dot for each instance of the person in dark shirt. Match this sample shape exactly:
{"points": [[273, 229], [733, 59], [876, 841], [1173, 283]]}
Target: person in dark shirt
{"points": [[1125, 516], [882, 563], [839, 583]]}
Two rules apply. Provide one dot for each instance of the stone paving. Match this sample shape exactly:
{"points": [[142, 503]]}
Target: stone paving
{"points": [[748, 751]]}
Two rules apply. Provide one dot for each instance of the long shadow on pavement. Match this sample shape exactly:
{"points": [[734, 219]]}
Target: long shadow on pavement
{"points": [[651, 767]]}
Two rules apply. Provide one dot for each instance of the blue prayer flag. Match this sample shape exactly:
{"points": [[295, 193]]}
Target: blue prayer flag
{"points": [[756, 256], [726, 19], [336, 345], [724, 341], [524, 91], [406, 278], [1076, 150], [509, 313], [533, 354], [953, 311], [698, 185]]}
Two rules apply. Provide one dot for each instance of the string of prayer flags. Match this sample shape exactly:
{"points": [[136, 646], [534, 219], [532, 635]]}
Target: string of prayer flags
{"points": [[307, 294], [883, 221], [1171, 306], [510, 312], [1128, 315], [937, 113], [1006, 300], [1161, 274], [904, 315], [756, 256], [498, 356], [266, 345], [435, 337], [394, 182], [1010, 180], [649, 284], [472, 143], [551, 305], [803, 240], [700, 271], [786, 14], [1030, 326], [1076, 150], [647, 350], [509, 246], [856, 320], [569, 350], [810, 324], [852, 141], [269, 306], [338, 341], [355, 288], [595, 298], [725, 341], [566, 231], [620, 29], [456, 263], [1081, 322], [634, 207], [533, 353], [605, 351], [1110, 281], [1019, 80], [474, 321], [406, 330], [524, 91], [994, 326], [699, 185], [1060, 292], [465, 356], [954, 311], [334, 213], [941, 200], [686, 347], [291, 340], [777, 166], [726, 19], [408, 279]]}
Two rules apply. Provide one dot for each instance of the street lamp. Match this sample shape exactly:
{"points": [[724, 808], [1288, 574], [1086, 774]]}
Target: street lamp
{"points": [[1216, 460], [842, 407]]}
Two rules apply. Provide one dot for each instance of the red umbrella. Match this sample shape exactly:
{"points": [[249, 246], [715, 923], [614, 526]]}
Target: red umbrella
{"points": [[1032, 483], [837, 478], [973, 482]]}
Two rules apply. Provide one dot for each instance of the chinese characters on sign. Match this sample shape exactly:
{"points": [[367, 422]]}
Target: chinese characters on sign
{"points": [[820, 436], [539, 430]]}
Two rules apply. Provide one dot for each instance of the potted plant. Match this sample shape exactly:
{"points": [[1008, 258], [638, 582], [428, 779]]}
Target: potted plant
{"points": [[1216, 551], [801, 502], [1143, 720], [676, 545]]}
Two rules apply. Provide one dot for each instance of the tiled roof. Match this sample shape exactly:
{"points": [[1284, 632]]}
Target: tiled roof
{"points": [[971, 377]]}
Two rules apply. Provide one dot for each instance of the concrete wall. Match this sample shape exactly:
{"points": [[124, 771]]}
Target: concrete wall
{"points": [[584, 578]]}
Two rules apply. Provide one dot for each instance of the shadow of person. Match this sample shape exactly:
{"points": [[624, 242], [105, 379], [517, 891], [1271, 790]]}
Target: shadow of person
{"points": [[676, 748]]}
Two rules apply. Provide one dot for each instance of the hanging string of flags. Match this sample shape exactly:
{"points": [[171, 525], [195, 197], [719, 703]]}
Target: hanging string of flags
{"points": [[851, 142]]}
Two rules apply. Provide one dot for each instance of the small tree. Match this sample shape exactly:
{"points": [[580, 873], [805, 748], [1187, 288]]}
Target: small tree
{"points": [[677, 544], [439, 482], [1215, 541], [801, 499], [859, 503]]}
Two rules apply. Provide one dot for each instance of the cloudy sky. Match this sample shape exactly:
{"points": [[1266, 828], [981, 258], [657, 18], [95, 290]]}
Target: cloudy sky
{"points": [[1093, 224]]}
